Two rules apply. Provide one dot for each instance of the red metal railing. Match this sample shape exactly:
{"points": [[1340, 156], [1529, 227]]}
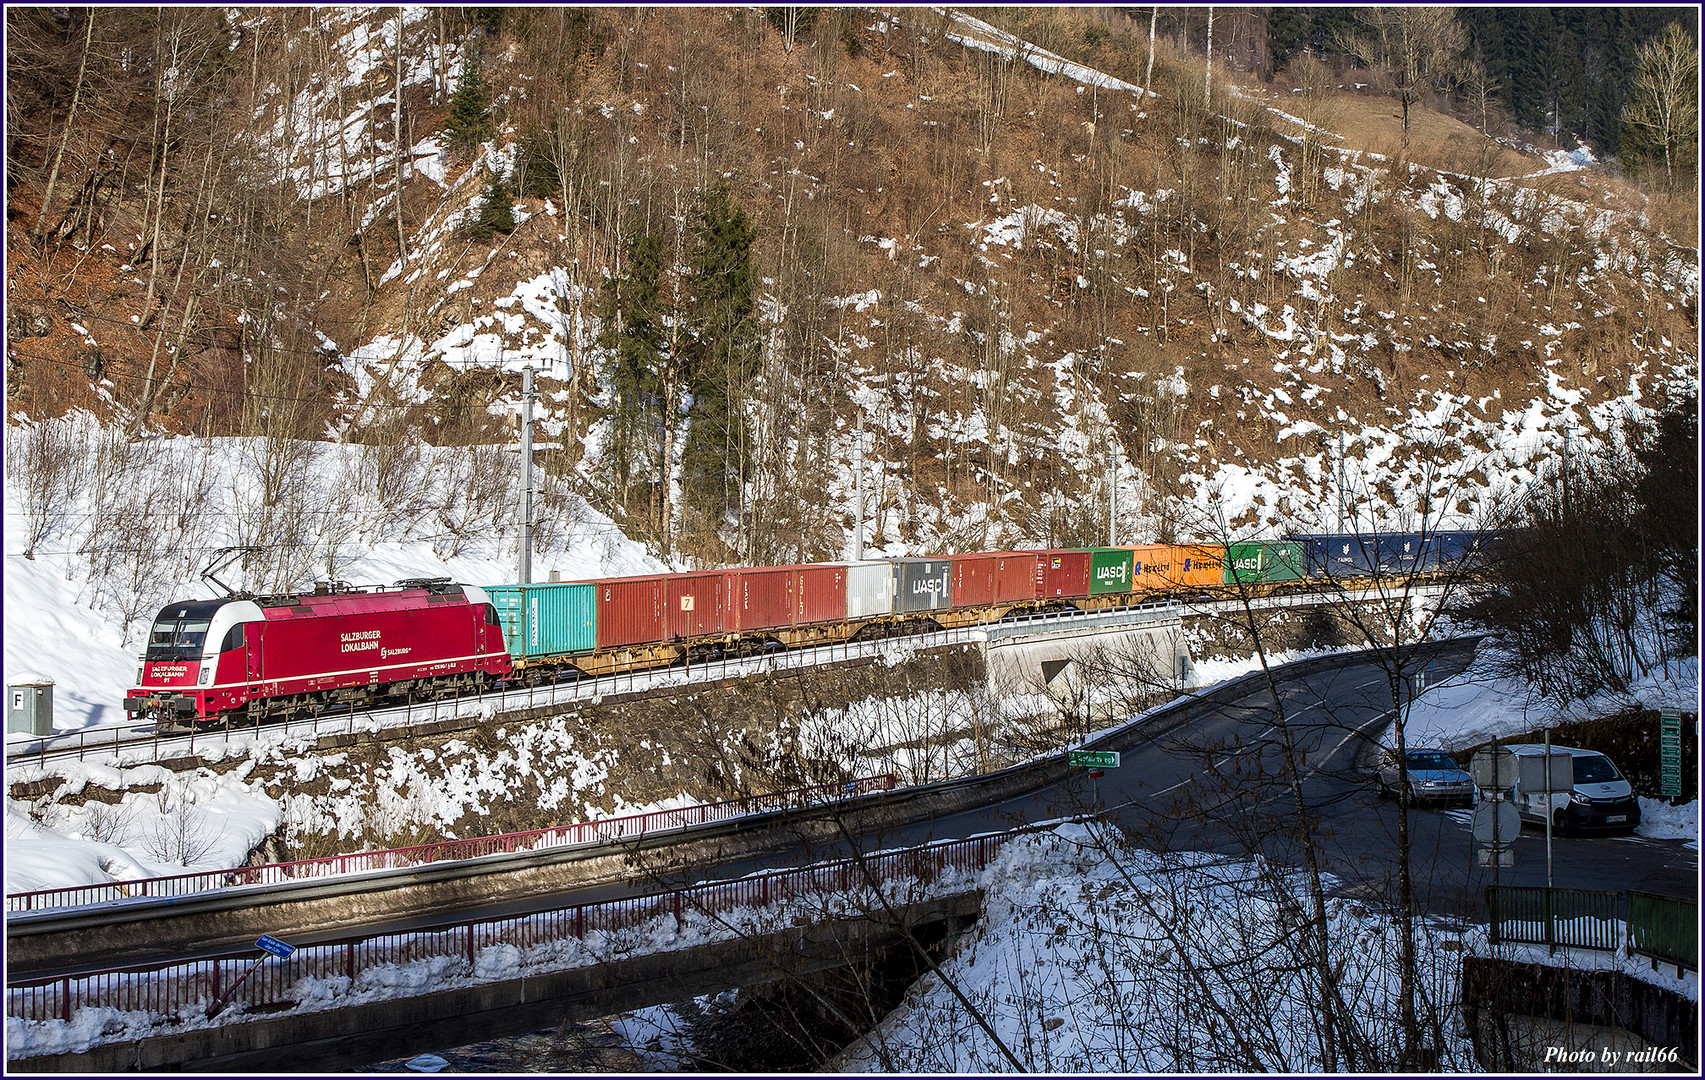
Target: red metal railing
{"points": [[615, 828], [181, 992]]}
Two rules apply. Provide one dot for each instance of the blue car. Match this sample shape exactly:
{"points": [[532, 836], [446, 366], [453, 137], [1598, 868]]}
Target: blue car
{"points": [[1433, 777]]}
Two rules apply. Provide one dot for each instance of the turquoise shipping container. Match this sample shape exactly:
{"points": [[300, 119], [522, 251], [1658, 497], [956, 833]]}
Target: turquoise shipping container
{"points": [[546, 619]]}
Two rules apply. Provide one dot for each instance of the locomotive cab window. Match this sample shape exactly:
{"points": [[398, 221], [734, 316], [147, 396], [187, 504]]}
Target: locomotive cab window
{"points": [[491, 615], [177, 639], [233, 639]]}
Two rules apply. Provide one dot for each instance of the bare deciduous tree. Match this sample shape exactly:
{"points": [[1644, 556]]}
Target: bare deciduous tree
{"points": [[1663, 102], [1414, 51]]}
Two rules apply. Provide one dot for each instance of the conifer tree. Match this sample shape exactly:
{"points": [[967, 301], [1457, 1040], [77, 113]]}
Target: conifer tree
{"points": [[496, 212], [470, 122], [633, 312], [722, 359], [536, 171]]}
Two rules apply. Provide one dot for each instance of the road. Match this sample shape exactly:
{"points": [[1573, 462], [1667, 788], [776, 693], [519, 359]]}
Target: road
{"points": [[1211, 778], [1214, 781]]}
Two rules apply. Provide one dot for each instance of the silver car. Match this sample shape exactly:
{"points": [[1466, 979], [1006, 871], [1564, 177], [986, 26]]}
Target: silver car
{"points": [[1433, 776]]}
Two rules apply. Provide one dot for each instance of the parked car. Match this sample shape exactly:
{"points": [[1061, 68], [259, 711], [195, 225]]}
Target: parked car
{"points": [[1599, 798], [1433, 777]]}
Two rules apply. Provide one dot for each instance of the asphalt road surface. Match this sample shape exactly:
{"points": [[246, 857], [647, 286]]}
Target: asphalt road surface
{"points": [[1216, 781]]}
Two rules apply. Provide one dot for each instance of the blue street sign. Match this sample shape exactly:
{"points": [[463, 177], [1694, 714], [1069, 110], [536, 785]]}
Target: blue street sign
{"points": [[274, 946]]}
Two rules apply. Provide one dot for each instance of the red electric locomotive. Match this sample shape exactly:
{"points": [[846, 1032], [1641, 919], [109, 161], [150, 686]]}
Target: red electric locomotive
{"points": [[253, 657]]}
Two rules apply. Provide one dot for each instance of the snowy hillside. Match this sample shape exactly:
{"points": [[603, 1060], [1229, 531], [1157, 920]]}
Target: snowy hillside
{"points": [[1010, 285]]}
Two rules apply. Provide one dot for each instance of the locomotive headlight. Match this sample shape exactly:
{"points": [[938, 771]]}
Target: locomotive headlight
{"points": [[206, 675], [139, 671]]}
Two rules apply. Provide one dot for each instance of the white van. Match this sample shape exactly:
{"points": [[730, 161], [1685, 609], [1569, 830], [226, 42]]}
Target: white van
{"points": [[1598, 799]]}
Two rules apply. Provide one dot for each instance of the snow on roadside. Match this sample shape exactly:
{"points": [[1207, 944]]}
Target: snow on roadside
{"points": [[1659, 820], [195, 821], [1477, 705], [1076, 965]]}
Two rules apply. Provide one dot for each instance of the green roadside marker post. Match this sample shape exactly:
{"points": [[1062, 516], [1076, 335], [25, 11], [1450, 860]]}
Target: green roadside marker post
{"points": [[1094, 759]]}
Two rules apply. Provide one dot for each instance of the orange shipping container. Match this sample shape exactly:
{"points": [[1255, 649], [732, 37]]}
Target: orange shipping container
{"points": [[1164, 568]]}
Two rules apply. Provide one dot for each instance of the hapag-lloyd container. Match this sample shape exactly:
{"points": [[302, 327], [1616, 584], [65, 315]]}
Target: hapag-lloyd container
{"points": [[1151, 567], [545, 618], [870, 589], [922, 585], [1109, 571], [1199, 566]]}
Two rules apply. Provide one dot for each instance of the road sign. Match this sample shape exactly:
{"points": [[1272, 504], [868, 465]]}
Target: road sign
{"points": [[1095, 759], [1547, 772], [1669, 754], [1493, 770], [274, 946], [1497, 820], [1504, 856]]}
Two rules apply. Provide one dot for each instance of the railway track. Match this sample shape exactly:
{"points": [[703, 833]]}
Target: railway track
{"points": [[130, 745]]}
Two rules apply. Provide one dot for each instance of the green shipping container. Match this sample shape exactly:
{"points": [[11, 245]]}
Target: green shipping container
{"points": [[1263, 563], [1109, 571], [546, 618]]}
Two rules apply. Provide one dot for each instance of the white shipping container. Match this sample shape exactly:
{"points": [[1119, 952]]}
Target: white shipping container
{"points": [[870, 589]]}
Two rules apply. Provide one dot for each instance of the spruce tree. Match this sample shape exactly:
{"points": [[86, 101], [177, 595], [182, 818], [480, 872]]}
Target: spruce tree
{"points": [[722, 358], [496, 213], [469, 122], [536, 172], [633, 311]]}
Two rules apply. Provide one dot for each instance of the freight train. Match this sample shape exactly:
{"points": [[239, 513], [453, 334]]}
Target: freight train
{"points": [[249, 658]]}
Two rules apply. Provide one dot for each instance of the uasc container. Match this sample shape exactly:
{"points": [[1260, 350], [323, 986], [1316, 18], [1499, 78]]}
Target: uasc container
{"points": [[922, 585], [1110, 571], [1263, 562]]}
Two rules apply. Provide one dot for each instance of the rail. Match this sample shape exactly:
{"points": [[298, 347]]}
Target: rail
{"points": [[1635, 923], [320, 972], [127, 744], [603, 829]]}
